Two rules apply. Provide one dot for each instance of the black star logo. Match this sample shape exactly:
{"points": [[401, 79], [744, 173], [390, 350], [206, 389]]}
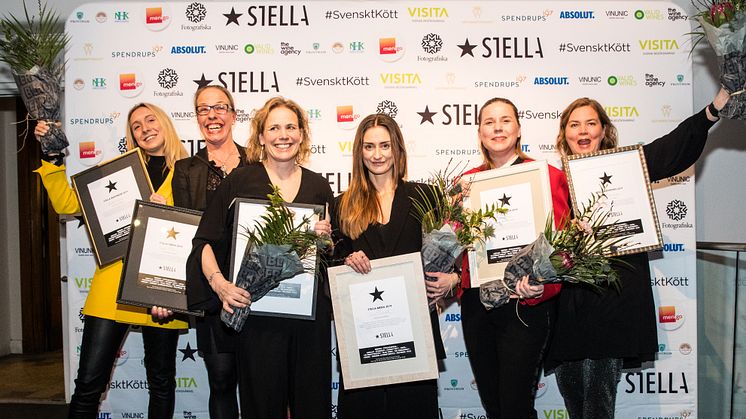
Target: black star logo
{"points": [[232, 16], [188, 353], [467, 48], [81, 220], [605, 179], [376, 295], [505, 200], [203, 81], [112, 186], [427, 116]]}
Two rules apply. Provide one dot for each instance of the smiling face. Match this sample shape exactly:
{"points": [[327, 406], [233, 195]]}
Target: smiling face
{"points": [[215, 128], [378, 156], [584, 130], [281, 137], [147, 131], [499, 131]]}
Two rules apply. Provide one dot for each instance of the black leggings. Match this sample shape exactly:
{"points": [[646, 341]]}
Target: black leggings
{"points": [[222, 375], [102, 339]]}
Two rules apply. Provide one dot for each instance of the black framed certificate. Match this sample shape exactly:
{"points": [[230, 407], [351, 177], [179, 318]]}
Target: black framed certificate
{"points": [[107, 193], [629, 196], [524, 190], [294, 297], [382, 320], [154, 271]]}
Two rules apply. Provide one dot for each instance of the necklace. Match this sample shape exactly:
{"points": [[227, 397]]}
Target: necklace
{"points": [[221, 163]]}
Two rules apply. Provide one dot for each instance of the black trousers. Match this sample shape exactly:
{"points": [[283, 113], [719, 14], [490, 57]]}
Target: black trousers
{"points": [[222, 376], [589, 386], [506, 355], [102, 339], [286, 363], [416, 400]]}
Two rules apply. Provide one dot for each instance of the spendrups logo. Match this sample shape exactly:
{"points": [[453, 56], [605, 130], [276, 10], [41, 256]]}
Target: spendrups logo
{"points": [[138, 53], [527, 18], [501, 47], [660, 382], [276, 15]]}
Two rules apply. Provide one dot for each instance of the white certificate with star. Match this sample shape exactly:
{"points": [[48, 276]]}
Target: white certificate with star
{"points": [[107, 194], [154, 272], [382, 320], [623, 172], [522, 189]]}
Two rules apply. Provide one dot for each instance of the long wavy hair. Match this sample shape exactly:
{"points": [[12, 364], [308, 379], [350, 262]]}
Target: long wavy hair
{"points": [[485, 153], [359, 206], [254, 151], [173, 149], [610, 133]]}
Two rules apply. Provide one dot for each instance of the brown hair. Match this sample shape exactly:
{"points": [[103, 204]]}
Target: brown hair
{"points": [[173, 149], [259, 118], [610, 133], [359, 205], [218, 87], [485, 153]]}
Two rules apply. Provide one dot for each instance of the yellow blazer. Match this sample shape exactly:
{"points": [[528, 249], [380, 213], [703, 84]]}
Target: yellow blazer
{"points": [[102, 296]]}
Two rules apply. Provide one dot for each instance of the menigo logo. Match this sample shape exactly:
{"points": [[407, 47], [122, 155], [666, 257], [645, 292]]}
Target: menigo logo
{"points": [[346, 117], [130, 85], [157, 18], [668, 319], [390, 50]]}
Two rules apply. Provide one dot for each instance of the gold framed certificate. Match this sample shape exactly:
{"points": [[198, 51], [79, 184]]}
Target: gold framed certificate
{"points": [[524, 190], [382, 320], [629, 196], [107, 195], [294, 297], [154, 272]]}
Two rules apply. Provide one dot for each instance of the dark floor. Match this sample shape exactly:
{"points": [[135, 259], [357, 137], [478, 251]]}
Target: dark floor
{"points": [[32, 386]]}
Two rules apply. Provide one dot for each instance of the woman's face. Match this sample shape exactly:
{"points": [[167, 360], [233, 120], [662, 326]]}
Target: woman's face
{"points": [[281, 137], [378, 156], [499, 130], [147, 131], [584, 131], [215, 125]]}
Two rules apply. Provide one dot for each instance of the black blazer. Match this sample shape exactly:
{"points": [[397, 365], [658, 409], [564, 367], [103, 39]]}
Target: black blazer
{"points": [[404, 235], [190, 179]]}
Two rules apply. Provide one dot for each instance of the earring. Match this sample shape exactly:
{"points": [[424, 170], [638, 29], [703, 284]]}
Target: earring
{"points": [[261, 153]]}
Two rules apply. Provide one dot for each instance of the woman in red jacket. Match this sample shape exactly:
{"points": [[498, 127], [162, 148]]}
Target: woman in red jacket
{"points": [[506, 345]]}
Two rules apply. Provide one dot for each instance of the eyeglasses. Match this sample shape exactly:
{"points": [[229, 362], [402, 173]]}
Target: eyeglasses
{"points": [[219, 109]]}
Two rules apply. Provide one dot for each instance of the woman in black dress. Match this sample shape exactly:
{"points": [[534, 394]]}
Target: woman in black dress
{"points": [[283, 363], [373, 219]]}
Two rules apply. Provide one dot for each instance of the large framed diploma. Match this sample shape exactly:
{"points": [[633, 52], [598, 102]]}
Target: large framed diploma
{"points": [[522, 189], [294, 297], [107, 194], [154, 272], [382, 321], [629, 196]]}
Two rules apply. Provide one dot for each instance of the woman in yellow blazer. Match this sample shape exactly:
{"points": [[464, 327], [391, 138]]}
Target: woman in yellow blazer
{"points": [[106, 322]]}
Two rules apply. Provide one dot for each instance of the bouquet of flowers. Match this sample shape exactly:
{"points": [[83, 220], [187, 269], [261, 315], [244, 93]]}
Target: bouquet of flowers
{"points": [[31, 49], [723, 24], [278, 249], [447, 227], [576, 253]]}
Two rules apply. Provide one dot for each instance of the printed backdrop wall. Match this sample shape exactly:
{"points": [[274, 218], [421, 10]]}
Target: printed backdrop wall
{"points": [[427, 64]]}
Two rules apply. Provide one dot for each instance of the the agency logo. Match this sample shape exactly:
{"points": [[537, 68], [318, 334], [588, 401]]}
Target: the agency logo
{"points": [[346, 117], [287, 49], [577, 14], [196, 12], [157, 18], [121, 16], [669, 319], [101, 17], [648, 14], [675, 14], [188, 49], [669, 281], [168, 78], [503, 47], [275, 15], [626, 80], [651, 80], [387, 107], [130, 85], [389, 50], [656, 382], [552, 81], [617, 14], [428, 14], [676, 210]]}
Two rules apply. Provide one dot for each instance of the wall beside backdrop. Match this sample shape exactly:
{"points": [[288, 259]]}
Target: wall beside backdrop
{"points": [[430, 65]]}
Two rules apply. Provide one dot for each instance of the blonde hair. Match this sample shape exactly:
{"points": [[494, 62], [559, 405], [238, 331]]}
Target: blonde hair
{"points": [[485, 153], [218, 87], [359, 205], [173, 149], [610, 133], [254, 147]]}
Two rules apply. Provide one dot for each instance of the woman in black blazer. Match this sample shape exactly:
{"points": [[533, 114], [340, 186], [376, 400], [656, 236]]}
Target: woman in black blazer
{"points": [[194, 184], [375, 219]]}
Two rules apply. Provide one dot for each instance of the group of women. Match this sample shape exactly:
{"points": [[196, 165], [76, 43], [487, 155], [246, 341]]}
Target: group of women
{"points": [[282, 365]]}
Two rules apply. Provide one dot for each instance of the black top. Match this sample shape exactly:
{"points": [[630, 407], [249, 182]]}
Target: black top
{"points": [[401, 235], [613, 324], [157, 171], [216, 227]]}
